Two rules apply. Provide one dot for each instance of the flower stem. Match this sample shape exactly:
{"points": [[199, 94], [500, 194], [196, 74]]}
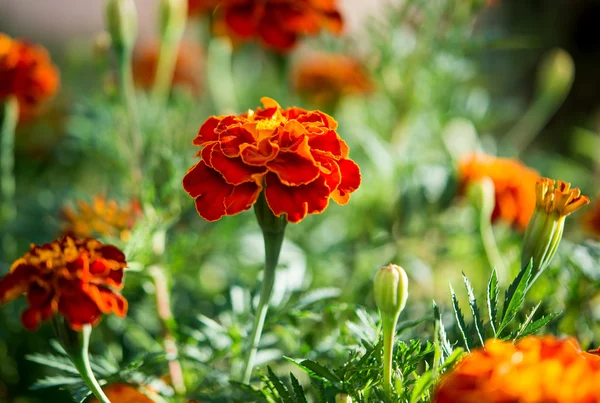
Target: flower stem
{"points": [[491, 248], [77, 350], [389, 329], [168, 327], [8, 208]]}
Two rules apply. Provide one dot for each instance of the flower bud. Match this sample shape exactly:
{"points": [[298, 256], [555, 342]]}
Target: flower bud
{"points": [[121, 23], [343, 398], [482, 195], [554, 202], [556, 73], [390, 289]]}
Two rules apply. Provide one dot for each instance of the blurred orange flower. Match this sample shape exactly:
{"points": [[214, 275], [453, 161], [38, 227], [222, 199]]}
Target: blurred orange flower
{"points": [[295, 155], [74, 277], [514, 182], [535, 369], [591, 221], [27, 73], [102, 217], [121, 393], [279, 23], [188, 72], [324, 77]]}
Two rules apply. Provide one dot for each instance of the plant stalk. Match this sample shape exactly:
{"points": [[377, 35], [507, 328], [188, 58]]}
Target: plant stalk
{"points": [[8, 208], [389, 329]]}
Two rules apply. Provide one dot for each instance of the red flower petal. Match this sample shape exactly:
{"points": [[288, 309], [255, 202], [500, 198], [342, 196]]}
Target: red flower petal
{"points": [[293, 169], [350, 181], [107, 300], [33, 316], [260, 154], [276, 37], [232, 140], [329, 142], [207, 131], [233, 170], [296, 201], [241, 20], [242, 198], [16, 282], [209, 189], [78, 307]]}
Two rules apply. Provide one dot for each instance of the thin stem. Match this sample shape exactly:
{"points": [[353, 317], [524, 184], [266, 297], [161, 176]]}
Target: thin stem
{"points": [[220, 75], [168, 327], [491, 248], [389, 328], [273, 242], [8, 208], [164, 71], [80, 359]]}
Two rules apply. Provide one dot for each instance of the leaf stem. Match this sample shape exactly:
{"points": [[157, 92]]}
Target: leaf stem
{"points": [[8, 208], [389, 329]]}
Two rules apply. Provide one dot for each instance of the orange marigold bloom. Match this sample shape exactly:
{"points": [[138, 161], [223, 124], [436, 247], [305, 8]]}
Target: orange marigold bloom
{"points": [[294, 154], [121, 393], [102, 217], [324, 77], [534, 370], [188, 71], [514, 182], [27, 73], [591, 220], [279, 23], [74, 277]]}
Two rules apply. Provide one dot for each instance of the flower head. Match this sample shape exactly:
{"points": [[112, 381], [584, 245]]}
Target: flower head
{"points": [[101, 217], [279, 23], [188, 67], [295, 155], [324, 78], [27, 74], [390, 290], [70, 276], [558, 197], [535, 369], [514, 186]]}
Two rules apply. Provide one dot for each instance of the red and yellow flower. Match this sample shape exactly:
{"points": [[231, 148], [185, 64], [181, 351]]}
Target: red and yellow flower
{"points": [[535, 369], [101, 217], [514, 183], [294, 155], [325, 77], [27, 73], [279, 23], [74, 277]]}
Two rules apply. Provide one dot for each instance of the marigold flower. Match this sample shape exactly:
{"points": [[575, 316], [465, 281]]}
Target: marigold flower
{"points": [[27, 74], [279, 23], [73, 277], [121, 393], [101, 217], [324, 77], [591, 221], [514, 185], [295, 155], [535, 369], [188, 71]]}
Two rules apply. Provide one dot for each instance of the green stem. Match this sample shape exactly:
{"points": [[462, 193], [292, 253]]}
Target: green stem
{"points": [[491, 248], [77, 349], [389, 329], [8, 208], [220, 75], [273, 242], [164, 71]]}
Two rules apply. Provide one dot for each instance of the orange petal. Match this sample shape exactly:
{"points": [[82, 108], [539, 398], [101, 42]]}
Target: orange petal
{"points": [[232, 140], [296, 201], [107, 300]]}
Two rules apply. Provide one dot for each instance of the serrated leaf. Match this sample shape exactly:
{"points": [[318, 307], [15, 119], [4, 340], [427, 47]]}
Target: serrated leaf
{"points": [[440, 332], [514, 298], [53, 361], [298, 390], [318, 371], [422, 385], [460, 319], [474, 310], [282, 390], [55, 381], [536, 325], [317, 295], [492, 300], [250, 391]]}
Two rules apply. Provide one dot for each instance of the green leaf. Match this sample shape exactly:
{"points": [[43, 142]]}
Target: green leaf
{"points": [[492, 300], [282, 390], [298, 390], [317, 295], [318, 371], [56, 381], [460, 319], [474, 310], [536, 325], [514, 298], [421, 387], [440, 332], [53, 361], [249, 391]]}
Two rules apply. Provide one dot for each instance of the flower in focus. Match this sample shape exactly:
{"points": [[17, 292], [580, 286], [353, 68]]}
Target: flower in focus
{"points": [[324, 78], [102, 217], [121, 393], [554, 202], [188, 71], [591, 220], [73, 277], [514, 186], [295, 155], [27, 73], [279, 23], [535, 369]]}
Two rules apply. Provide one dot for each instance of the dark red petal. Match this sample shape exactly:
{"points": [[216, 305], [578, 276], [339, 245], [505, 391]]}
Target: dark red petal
{"points": [[207, 131], [296, 201], [329, 142], [112, 252], [241, 20], [39, 293], [242, 198], [293, 169], [233, 170], [16, 282], [350, 181], [107, 300], [78, 307], [210, 190], [276, 37], [259, 155], [33, 316], [232, 140]]}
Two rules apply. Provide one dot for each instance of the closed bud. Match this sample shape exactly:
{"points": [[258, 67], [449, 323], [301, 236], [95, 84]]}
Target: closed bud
{"points": [[343, 398], [482, 195], [121, 23], [390, 289]]}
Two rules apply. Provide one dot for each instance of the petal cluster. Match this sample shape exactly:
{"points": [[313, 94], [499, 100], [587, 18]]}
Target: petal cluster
{"points": [[74, 277], [558, 196], [279, 23], [27, 73], [325, 77], [101, 217], [535, 369], [295, 155], [514, 183]]}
